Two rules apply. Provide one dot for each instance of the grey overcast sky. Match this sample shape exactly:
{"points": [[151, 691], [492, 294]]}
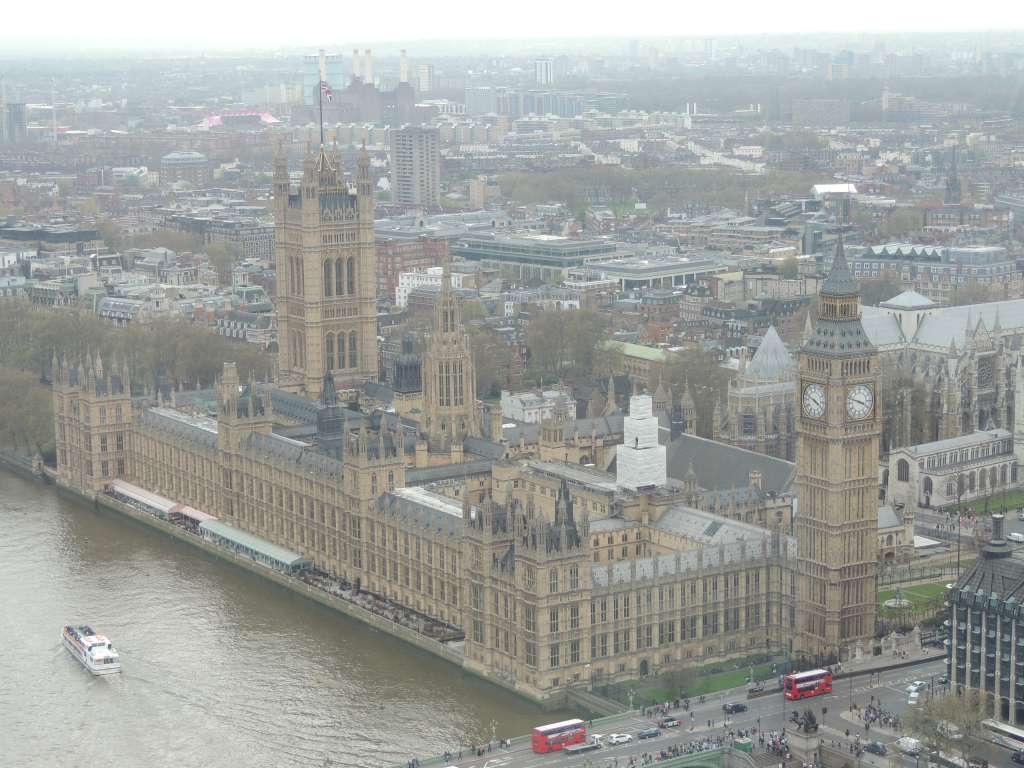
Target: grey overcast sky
{"points": [[232, 24]]}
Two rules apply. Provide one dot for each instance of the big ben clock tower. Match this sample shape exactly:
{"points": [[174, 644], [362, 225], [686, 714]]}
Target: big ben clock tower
{"points": [[837, 473]]}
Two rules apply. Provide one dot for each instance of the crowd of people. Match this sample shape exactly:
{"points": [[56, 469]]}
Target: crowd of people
{"points": [[873, 714], [774, 743]]}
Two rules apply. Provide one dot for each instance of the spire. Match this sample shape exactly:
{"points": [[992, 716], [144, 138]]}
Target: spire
{"points": [[840, 281], [808, 327], [328, 395]]}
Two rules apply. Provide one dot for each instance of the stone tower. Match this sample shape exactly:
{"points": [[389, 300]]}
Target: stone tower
{"points": [[326, 276], [449, 380], [92, 407], [837, 473]]}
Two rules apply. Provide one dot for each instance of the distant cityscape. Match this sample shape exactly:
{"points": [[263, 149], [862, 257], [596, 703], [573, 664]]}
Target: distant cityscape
{"points": [[580, 369]]}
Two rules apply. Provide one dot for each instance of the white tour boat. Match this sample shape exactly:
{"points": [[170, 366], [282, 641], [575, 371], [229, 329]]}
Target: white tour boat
{"points": [[93, 651]]}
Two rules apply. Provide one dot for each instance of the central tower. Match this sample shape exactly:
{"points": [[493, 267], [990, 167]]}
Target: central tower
{"points": [[837, 473], [326, 276], [449, 378]]}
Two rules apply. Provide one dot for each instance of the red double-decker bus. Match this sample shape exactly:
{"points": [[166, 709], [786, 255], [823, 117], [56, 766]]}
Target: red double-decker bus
{"points": [[558, 735], [803, 685]]}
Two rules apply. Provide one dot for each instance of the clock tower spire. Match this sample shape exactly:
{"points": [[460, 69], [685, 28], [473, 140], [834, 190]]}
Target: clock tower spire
{"points": [[837, 473]]}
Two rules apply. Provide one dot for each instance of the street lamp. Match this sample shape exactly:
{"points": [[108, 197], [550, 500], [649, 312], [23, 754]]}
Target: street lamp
{"points": [[959, 517]]}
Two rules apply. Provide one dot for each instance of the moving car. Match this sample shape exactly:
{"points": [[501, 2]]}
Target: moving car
{"points": [[649, 733], [733, 707], [875, 748], [916, 686], [670, 722], [913, 699], [1018, 757], [619, 738]]}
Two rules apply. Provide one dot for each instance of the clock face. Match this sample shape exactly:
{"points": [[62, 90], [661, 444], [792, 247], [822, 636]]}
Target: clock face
{"points": [[860, 401], [814, 401]]}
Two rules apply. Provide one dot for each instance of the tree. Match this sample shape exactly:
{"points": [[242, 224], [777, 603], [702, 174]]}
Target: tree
{"points": [[789, 268], [706, 379], [875, 290], [564, 344], [971, 292], [902, 221], [950, 723], [224, 256]]}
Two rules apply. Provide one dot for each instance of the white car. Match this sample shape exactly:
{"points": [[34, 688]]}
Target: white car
{"points": [[916, 686], [619, 738], [913, 699]]}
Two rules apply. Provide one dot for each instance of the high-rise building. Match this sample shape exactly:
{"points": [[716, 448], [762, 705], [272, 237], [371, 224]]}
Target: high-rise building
{"points": [[837, 473], [326, 276], [15, 123], [425, 78], [544, 71], [416, 166]]}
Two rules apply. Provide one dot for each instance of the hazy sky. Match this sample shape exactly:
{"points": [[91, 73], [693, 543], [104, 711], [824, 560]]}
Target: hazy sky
{"points": [[120, 24]]}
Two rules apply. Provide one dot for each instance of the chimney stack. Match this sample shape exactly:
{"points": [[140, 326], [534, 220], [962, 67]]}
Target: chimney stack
{"points": [[356, 69], [368, 66], [403, 68]]}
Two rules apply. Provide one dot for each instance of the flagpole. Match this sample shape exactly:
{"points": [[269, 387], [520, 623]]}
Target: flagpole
{"points": [[320, 91]]}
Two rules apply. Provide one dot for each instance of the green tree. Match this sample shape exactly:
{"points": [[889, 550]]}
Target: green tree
{"points": [[789, 268]]}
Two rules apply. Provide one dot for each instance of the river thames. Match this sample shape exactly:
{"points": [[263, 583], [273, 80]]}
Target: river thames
{"points": [[220, 668]]}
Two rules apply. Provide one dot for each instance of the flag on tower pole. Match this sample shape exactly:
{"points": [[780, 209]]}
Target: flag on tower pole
{"points": [[325, 91]]}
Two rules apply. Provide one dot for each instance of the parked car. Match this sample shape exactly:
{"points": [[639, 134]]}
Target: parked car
{"points": [[1018, 757], [875, 748], [619, 738], [670, 722], [756, 687], [733, 707], [649, 733]]}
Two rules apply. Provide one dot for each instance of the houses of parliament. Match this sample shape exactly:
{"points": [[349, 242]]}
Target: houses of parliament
{"points": [[556, 573]]}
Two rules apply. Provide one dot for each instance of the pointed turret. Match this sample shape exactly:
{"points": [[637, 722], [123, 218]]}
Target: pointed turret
{"points": [[840, 280]]}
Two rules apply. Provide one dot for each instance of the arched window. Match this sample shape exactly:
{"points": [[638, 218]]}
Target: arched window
{"points": [[928, 485], [339, 278], [902, 470], [352, 350], [981, 479], [328, 278], [329, 351], [341, 349], [950, 489], [351, 269], [888, 540], [970, 483], [1002, 475]]}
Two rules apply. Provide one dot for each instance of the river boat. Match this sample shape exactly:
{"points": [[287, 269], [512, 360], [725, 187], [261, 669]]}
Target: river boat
{"points": [[93, 651]]}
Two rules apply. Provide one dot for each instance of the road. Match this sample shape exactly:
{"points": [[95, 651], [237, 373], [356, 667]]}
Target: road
{"points": [[766, 713]]}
